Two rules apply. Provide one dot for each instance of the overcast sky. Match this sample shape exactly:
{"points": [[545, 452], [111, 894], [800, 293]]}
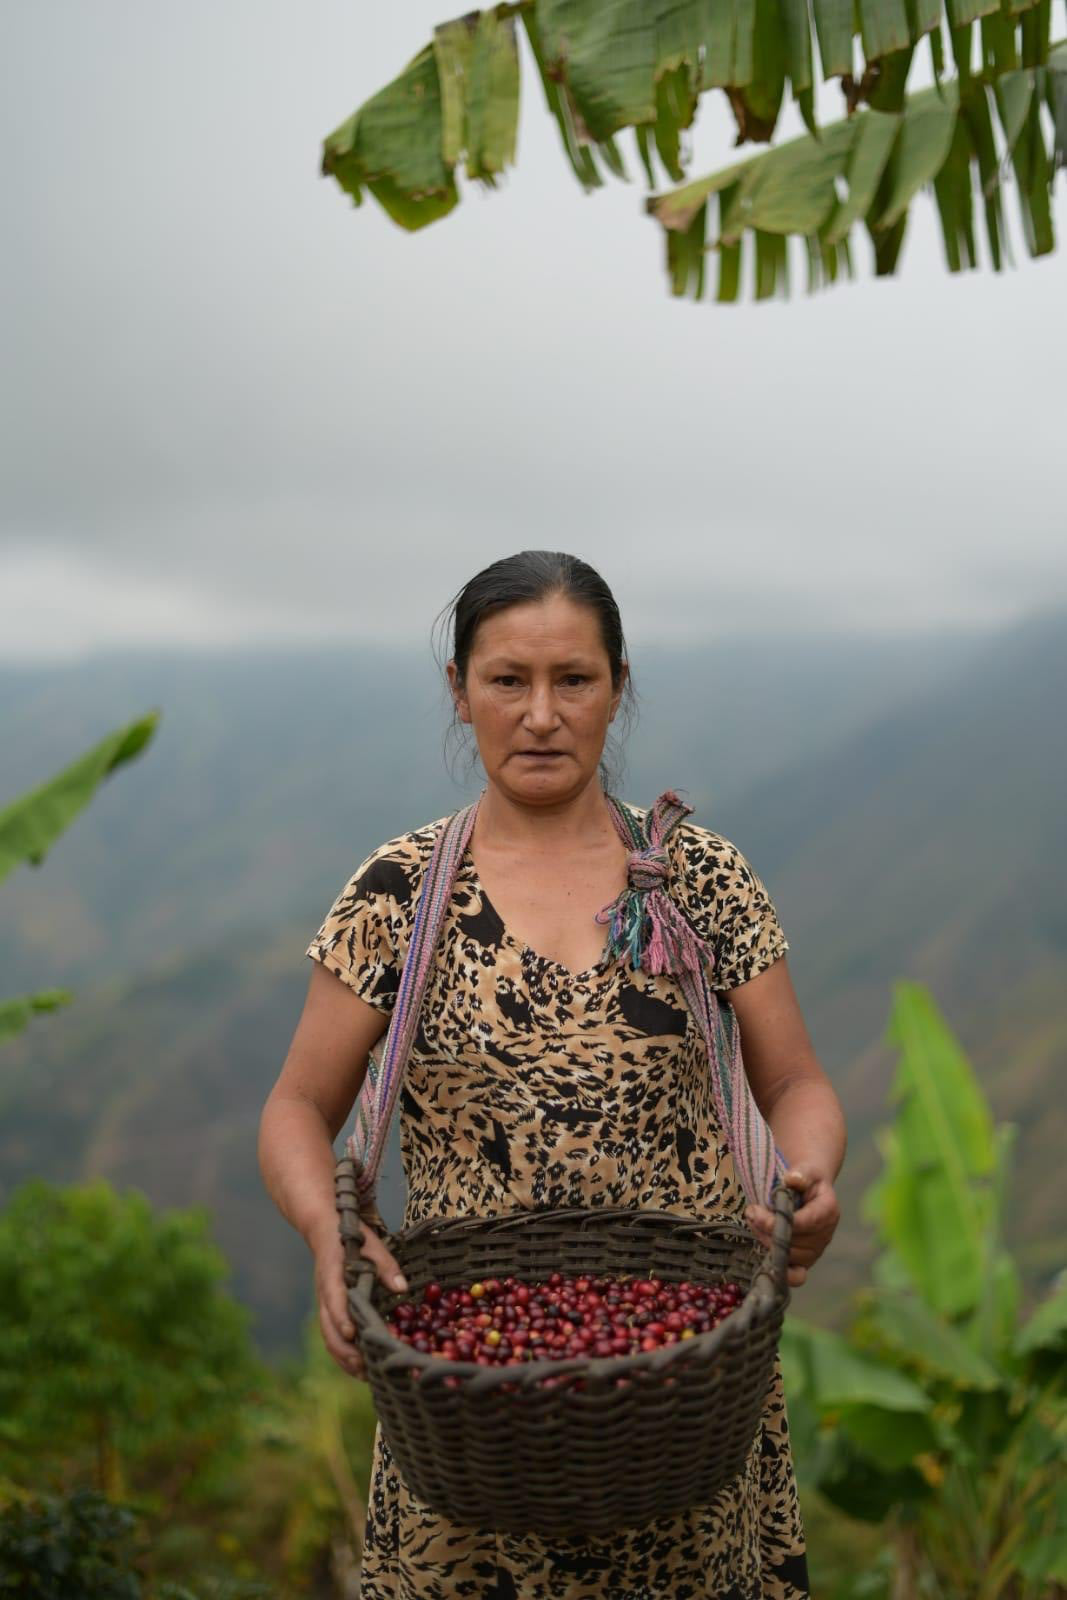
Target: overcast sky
{"points": [[238, 410]]}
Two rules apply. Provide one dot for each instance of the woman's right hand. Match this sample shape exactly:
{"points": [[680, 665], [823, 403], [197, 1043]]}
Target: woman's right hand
{"points": [[335, 1321]]}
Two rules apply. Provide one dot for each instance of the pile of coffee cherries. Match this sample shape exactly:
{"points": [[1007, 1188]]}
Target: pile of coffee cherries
{"points": [[506, 1321]]}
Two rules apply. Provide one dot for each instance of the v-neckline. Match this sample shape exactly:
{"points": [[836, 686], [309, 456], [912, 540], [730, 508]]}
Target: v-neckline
{"points": [[525, 951]]}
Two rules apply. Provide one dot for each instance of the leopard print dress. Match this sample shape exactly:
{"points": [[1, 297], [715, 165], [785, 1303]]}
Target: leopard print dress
{"points": [[531, 1085]]}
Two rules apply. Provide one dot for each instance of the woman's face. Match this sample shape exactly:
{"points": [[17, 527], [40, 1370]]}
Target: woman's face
{"points": [[539, 697]]}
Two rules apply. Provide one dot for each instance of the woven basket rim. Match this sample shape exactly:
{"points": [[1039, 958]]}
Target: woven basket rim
{"points": [[766, 1297]]}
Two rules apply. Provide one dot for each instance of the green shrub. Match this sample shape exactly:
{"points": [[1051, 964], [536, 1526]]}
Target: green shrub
{"points": [[75, 1547]]}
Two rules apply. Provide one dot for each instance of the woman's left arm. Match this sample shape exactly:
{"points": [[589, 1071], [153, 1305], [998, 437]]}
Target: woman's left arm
{"points": [[798, 1101]]}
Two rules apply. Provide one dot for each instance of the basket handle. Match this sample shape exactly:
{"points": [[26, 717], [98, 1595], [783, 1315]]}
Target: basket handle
{"points": [[359, 1273], [772, 1280]]}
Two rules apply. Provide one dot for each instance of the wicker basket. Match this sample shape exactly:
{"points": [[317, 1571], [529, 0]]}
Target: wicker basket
{"points": [[499, 1450]]}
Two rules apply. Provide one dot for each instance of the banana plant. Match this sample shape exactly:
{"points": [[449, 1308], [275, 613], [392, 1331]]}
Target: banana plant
{"points": [[31, 825], [611, 66], [940, 1412]]}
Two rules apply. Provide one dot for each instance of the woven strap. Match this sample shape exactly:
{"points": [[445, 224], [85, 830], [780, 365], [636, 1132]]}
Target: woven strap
{"points": [[647, 926], [381, 1086]]}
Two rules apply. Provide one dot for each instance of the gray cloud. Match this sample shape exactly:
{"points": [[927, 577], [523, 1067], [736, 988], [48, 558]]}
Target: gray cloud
{"points": [[235, 407]]}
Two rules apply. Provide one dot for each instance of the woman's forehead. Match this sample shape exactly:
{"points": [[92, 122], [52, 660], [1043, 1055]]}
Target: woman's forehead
{"points": [[540, 627]]}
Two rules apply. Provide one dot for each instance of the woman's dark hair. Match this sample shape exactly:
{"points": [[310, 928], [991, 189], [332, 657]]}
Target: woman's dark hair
{"points": [[536, 575]]}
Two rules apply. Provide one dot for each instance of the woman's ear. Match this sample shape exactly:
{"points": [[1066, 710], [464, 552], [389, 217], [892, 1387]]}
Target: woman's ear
{"points": [[459, 698], [616, 699]]}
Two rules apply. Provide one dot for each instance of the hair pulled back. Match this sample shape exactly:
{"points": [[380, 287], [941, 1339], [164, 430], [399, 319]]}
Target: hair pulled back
{"points": [[516, 580]]}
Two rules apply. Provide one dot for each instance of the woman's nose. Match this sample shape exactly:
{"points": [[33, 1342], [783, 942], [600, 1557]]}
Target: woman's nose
{"points": [[541, 711]]}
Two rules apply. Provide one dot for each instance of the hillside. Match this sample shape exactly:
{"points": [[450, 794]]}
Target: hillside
{"points": [[933, 846], [927, 843], [271, 775]]}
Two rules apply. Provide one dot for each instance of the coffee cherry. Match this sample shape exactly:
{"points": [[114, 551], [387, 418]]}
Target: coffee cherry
{"points": [[503, 1322]]}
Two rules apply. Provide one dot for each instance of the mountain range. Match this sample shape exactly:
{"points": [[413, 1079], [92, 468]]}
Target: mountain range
{"points": [[902, 800]]}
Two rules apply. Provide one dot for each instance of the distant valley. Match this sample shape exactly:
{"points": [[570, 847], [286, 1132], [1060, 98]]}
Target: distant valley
{"points": [[902, 800]]}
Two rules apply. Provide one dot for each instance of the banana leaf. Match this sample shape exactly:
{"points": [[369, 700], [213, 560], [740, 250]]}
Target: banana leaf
{"points": [[611, 65], [1047, 1326], [32, 823], [868, 169], [832, 1373], [916, 1336], [15, 1014], [894, 1439], [933, 1203]]}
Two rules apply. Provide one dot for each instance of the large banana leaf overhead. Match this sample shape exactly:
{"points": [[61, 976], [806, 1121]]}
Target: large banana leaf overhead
{"points": [[957, 137], [607, 66]]}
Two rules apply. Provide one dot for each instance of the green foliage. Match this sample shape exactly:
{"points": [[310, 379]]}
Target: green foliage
{"points": [[936, 1412], [458, 96], [216, 1588], [82, 1546], [75, 1547], [32, 824], [116, 1337], [608, 66], [959, 137], [933, 1204], [312, 1438]]}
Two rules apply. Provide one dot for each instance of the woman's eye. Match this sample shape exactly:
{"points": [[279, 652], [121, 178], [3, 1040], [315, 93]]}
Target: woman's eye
{"points": [[572, 680]]}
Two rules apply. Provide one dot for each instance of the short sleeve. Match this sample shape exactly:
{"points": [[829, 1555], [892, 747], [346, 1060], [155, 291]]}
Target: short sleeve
{"points": [[364, 936], [728, 904]]}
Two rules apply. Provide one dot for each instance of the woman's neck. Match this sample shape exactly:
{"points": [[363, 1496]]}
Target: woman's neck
{"points": [[557, 828]]}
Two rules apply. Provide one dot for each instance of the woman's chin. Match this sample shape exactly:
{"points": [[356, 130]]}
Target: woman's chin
{"points": [[541, 780]]}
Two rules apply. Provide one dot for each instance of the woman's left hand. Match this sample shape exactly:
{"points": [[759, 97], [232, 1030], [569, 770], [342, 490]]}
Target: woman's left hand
{"points": [[814, 1221]]}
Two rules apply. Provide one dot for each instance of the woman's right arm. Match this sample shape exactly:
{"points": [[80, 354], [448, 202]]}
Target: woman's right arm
{"points": [[305, 1111]]}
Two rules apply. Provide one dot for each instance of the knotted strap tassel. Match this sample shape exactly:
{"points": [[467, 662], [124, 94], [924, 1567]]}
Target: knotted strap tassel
{"points": [[647, 926], [644, 922]]}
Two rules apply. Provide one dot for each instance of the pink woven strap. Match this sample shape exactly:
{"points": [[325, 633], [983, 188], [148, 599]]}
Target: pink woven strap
{"points": [[385, 1067], [648, 926]]}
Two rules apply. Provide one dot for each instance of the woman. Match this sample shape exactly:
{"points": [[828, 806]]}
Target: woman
{"points": [[546, 1072]]}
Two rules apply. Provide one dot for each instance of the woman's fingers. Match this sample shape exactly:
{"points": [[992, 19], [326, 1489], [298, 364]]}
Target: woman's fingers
{"points": [[800, 1255], [384, 1263], [335, 1319], [333, 1294], [814, 1222], [344, 1351], [820, 1215], [336, 1324]]}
